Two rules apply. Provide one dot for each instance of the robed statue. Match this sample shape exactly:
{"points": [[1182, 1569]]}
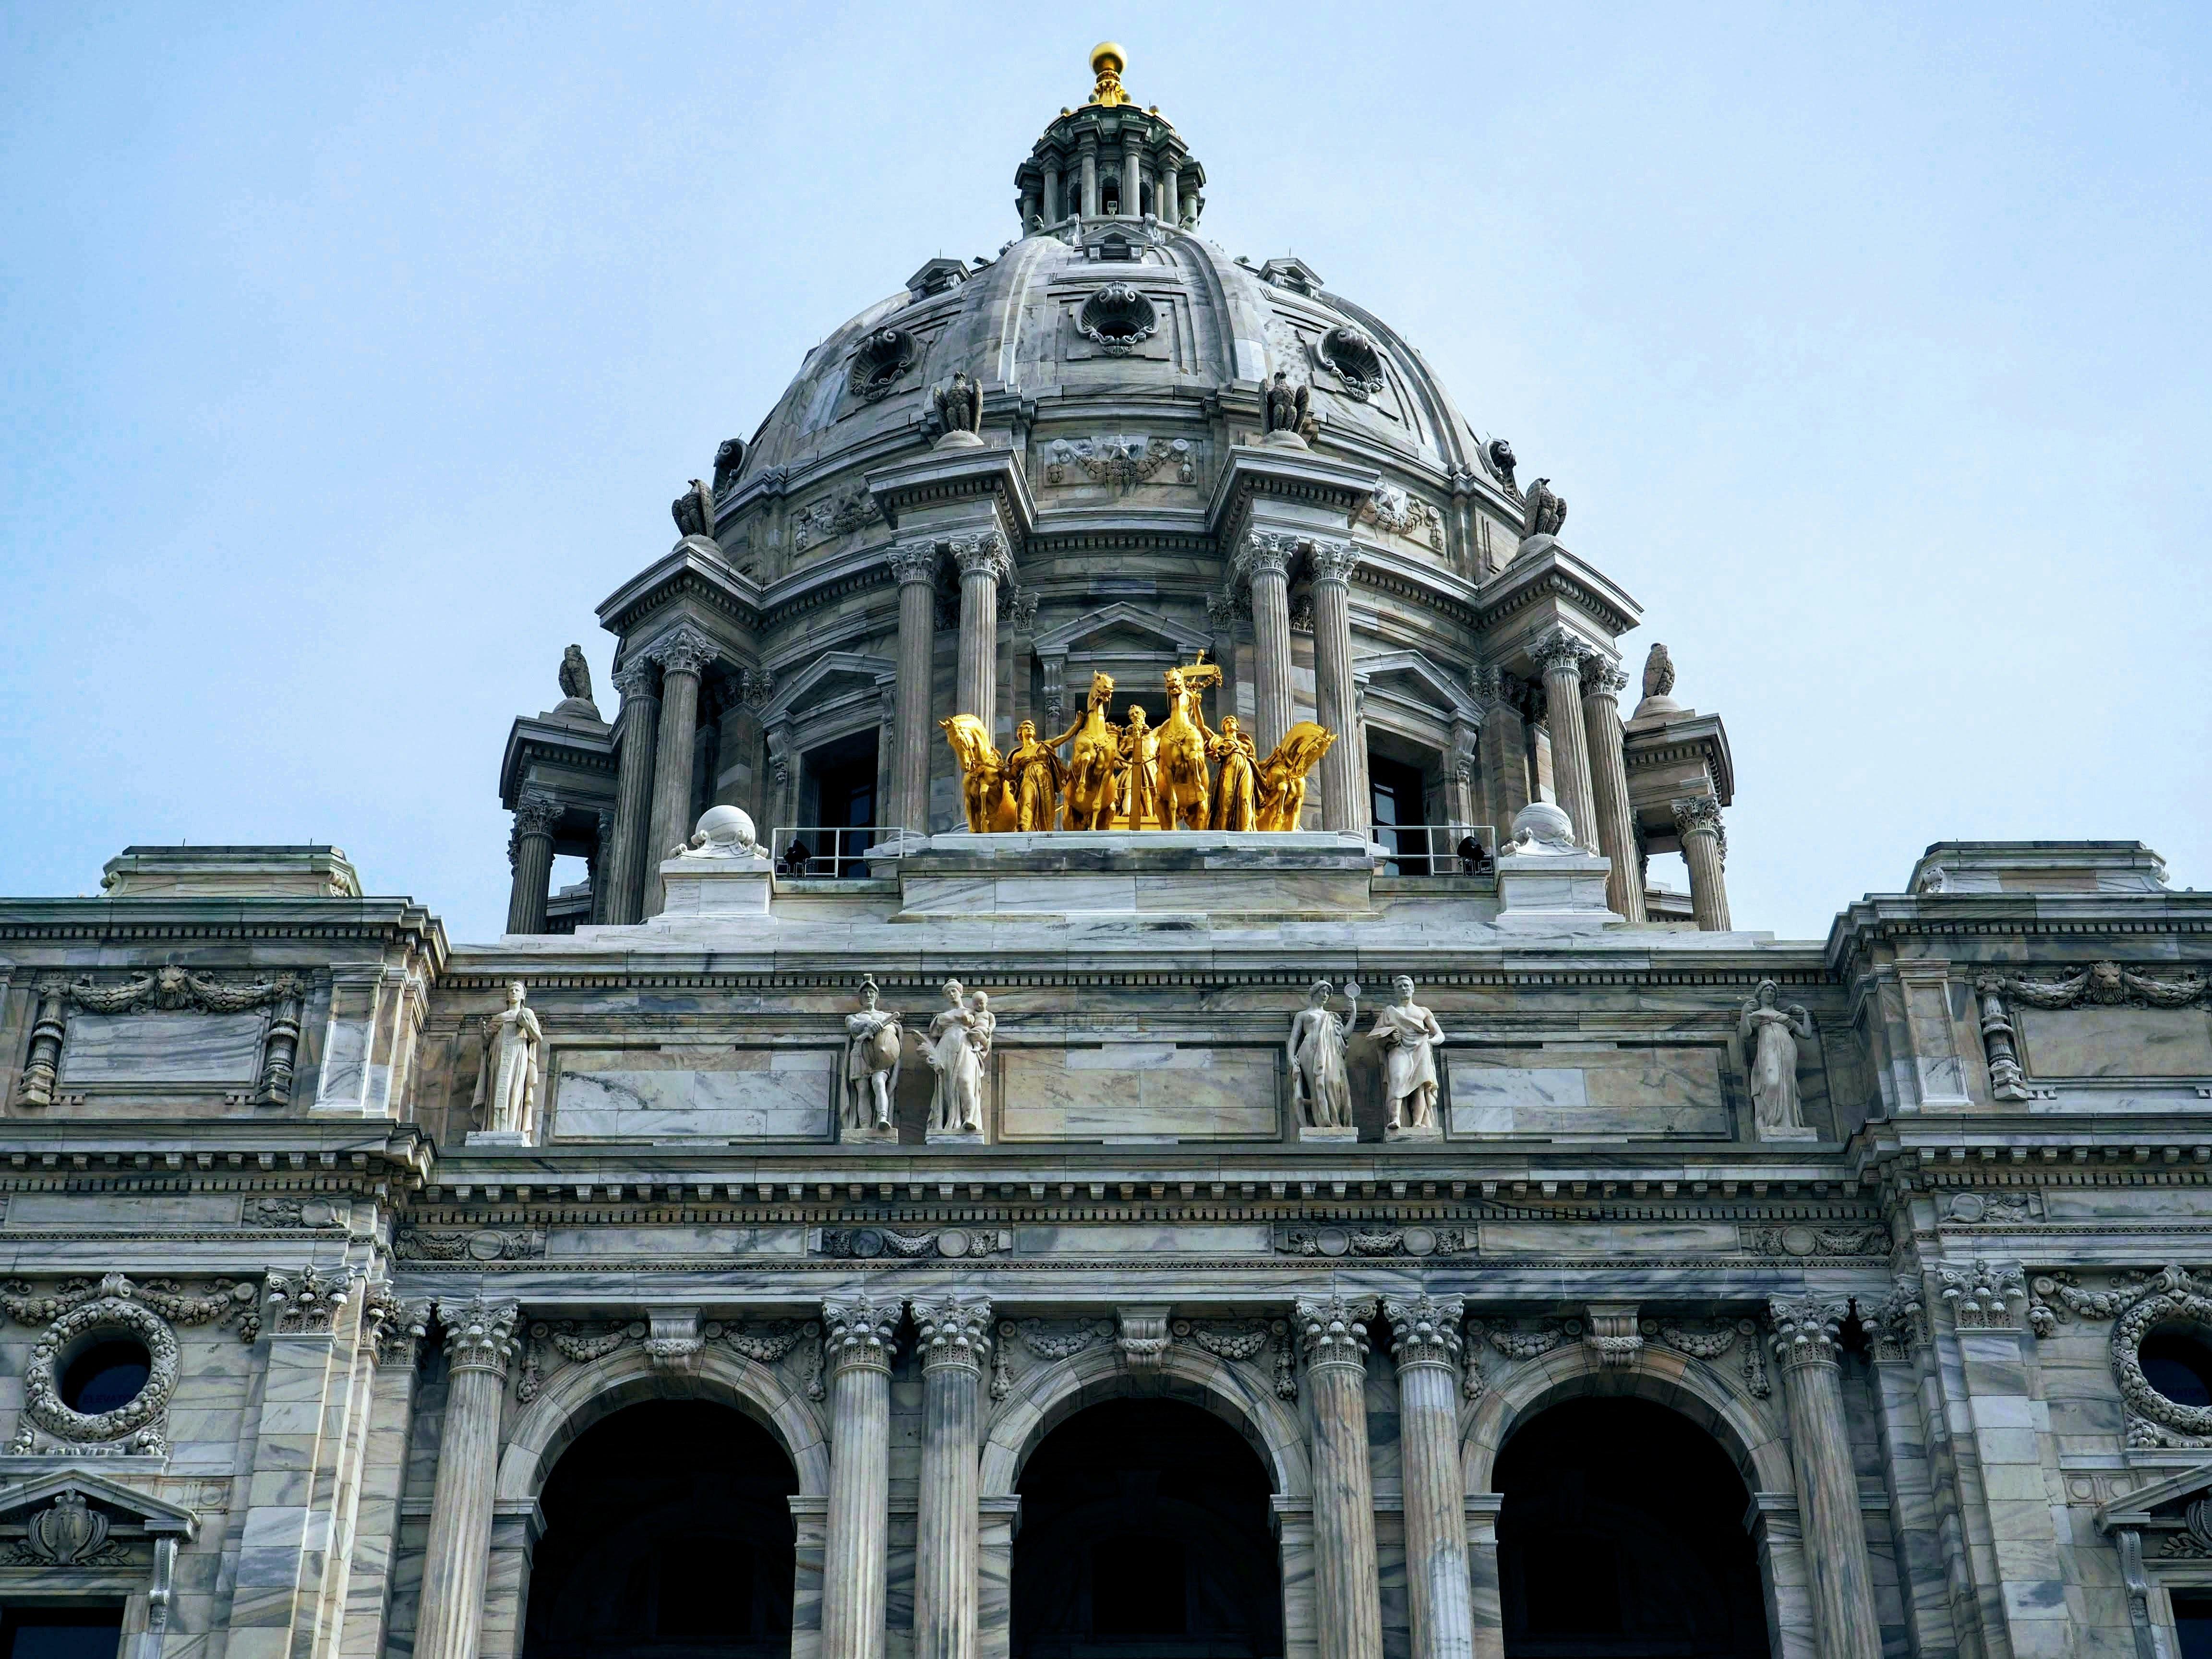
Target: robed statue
{"points": [[874, 1039], [507, 1080], [1408, 1036], [1321, 1086]]}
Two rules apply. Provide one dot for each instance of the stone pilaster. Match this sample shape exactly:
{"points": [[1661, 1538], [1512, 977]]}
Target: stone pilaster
{"points": [[1265, 564], [983, 563], [953, 1337], [1608, 762], [1424, 1336], [1560, 654], [1347, 1600], [392, 1332], [1088, 148], [915, 567], [531, 857], [1705, 849], [857, 1353], [1502, 750], [1335, 696], [1804, 1334], [683, 654], [1928, 1554], [479, 1342], [640, 726]]}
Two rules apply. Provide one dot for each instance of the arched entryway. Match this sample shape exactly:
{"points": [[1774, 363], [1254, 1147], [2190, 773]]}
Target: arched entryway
{"points": [[668, 1535], [1622, 1533], [1145, 1534]]}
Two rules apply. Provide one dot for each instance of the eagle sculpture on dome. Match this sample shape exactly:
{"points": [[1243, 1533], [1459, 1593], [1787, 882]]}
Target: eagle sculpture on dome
{"points": [[1288, 408], [693, 511], [959, 405]]}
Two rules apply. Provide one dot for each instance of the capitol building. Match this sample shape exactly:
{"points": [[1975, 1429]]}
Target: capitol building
{"points": [[1118, 1088]]}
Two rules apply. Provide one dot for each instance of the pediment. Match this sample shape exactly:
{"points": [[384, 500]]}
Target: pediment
{"points": [[833, 674], [1414, 678], [1122, 628], [2171, 1494], [159, 1517]]}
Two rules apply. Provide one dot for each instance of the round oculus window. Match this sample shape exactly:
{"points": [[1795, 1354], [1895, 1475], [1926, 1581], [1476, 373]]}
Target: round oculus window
{"points": [[106, 1375], [2177, 1362]]}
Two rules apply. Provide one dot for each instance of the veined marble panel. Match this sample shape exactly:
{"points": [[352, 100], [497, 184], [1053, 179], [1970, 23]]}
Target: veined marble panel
{"points": [[1157, 1089], [2117, 1042], [695, 1094], [604, 1243], [98, 1211], [187, 1048], [1145, 1241], [1608, 1238], [1597, 1090]]}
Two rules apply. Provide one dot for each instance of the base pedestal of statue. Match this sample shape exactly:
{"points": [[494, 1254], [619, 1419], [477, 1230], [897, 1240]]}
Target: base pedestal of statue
{"points": [[705, 884], [853, 1137], [1311, 1136], [1554, 893], [495, 1137], [1800, 1132], [956, 1138], [1397, 1131]]}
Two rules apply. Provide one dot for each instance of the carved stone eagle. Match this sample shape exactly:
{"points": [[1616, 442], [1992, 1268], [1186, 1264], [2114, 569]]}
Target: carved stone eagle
{"points": [[959, 405]]}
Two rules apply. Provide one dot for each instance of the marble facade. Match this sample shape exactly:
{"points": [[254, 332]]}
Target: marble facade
{"points": [[1939, 1329]]}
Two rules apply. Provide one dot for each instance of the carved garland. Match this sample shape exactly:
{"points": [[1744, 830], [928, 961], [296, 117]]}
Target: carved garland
{"points": [[1519, 1343], [2137, 1303], [1233, 1341], [581, 1342]]}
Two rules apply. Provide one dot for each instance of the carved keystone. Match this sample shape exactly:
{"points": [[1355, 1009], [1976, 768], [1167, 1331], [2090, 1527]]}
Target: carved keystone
{"points": [[673, 1342], [1611, 1332], [1143, 1337]]}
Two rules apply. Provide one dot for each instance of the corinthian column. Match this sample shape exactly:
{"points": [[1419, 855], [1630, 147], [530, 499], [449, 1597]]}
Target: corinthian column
{"points": [[1265, 563], [1827, 1485], [984, 564], [531, 857], [1705, 849], [681, 655], [855, 1589], [1347, 1590], [479, 1341], [634, 758], [915, 567], [1560, 654], [954, 1340], [1608, 762], [1424, 1334], [1335, 695]]}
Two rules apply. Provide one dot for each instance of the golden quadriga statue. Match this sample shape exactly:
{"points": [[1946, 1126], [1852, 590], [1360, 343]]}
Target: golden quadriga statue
{"points": [[1180, 774]]}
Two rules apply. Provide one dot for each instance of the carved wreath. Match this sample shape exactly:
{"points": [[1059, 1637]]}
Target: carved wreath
{"points": [[137, 1421], [2173, 1300], [172, 989], [2103, 984]]}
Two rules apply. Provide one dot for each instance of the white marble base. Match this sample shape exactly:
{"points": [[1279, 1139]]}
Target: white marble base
{"points": [[1800, 1132], [1327, 1137], [961, 1138], [1396, 1132], [856, 1137], [1537, 893], [495, 1137], [699, 886]]}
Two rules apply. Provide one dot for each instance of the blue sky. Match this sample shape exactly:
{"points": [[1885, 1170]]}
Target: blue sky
{"points": [[351, 356]]}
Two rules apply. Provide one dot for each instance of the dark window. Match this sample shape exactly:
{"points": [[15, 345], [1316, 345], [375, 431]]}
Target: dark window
{"points": [[2192, 1623], [2176, 1363], [842, 780], [60, 1632], [1396, 790], [110, 1373], [1137, 1587]]}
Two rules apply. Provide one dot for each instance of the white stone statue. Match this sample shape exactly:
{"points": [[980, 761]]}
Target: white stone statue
{"points": [[874, 1040], [1770, 1035], [960, 1042], [1408, 1035], [507, 1082], [1320, 1088]]}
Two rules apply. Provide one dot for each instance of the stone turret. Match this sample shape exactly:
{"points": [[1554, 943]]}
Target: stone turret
{"points": [[1109, 160]]}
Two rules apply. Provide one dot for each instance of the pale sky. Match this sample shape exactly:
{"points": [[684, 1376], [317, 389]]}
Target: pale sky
{"points": [[351, 356]]}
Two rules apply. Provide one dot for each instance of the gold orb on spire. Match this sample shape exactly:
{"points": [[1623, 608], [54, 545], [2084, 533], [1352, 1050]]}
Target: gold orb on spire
{"points": [[1107, 60]]}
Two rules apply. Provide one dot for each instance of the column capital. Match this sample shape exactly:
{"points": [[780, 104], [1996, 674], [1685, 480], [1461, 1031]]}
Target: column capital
{"points": [[1424, 1330], [1333, 1329], [1560, 652], [1265, 553], [1983, 1294], [535, 811], [952, 1330], [1698, 815], [914, 561], [636, 680], [1332, 560], [1602, 680], [395, 1328], [306, 1302], [1805, 1328], [682, 650], [859, 1331], [983, 553], [479, 1333]]}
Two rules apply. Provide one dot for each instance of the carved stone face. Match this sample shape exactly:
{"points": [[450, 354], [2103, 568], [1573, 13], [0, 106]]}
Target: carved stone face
{"points": [[868, 995], [1767, 992], [514, 995], [1404, 987], [981, 1002], [1318, 997], [954, 992], [1137, 716]]}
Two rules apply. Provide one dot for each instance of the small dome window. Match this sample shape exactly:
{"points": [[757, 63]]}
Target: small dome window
{"points": [[107, 1375], [1118, 317]]}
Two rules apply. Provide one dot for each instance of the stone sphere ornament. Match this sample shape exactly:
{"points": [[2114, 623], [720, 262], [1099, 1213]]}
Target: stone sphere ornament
{"points": [[725, 832], [1542, 831]]}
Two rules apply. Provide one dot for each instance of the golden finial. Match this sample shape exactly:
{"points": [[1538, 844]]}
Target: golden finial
{"points": [[1107, 60]]}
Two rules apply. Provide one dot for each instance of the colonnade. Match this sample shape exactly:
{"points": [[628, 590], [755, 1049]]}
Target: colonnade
{"points": [[954, 1332], [1073, 188]]}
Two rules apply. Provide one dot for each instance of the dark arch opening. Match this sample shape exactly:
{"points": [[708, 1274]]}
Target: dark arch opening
{"points": [[1145, 1534], [1622, 1535], [668, 1535]]}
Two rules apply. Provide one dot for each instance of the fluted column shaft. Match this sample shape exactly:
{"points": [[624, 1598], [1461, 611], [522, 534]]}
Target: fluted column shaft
{"points": [[1170, 194], [1133, 179], [1090, 153], [982, 561], [1347, 1591], [1335, 696], [1052, 196], [1705, 849], [1425, 1333], [1266, 564], [917, 569], [633, 764], [682, 655], [954, 1340], [1608, 760], [479, 1342], [1805, 1330], [855, 1582], [532, 861], [1561, 656]]}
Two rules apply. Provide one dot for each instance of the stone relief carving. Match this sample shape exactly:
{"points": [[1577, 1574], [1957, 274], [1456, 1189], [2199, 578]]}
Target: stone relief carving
{"points": [[1800, 1239], [1121, 459], [468, 1245], [879, 363], [1770, 1035], [1981, 1293], [167, 990], [1403, 513], [1242, 1341], [950, 1243], [1356, 361], [1999, 1208], [874, 1042], [1117, 319], [1498, 455], [2007, 1080], [959, 1042], [305, 1212], [1408, 1036], [1355, 1240], [1142, 1337], [833, 515], [2137, 1302], [2101, 984], [1613, 1334], [1712, 1342], [507, 1076], [67, 1532], [1049, 1340], [306, 1302], [548, 1343], [1321, 1085], [729, 461]]}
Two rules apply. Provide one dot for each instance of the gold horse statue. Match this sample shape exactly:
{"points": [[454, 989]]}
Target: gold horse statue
{"points": [[983, 789], [1283, 773], [1185, 789], [1093, 764]]}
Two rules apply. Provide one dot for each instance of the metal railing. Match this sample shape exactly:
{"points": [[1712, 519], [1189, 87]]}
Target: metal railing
{"points": [[1438, 849], [830, 850]]}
